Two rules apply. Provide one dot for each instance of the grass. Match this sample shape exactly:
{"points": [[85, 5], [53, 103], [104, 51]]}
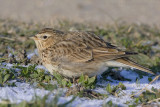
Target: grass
{"points": [[115, 90], [139, 38], [14, 37]]}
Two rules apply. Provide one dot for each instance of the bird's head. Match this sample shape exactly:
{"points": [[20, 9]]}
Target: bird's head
{"points": [[46, 37]]}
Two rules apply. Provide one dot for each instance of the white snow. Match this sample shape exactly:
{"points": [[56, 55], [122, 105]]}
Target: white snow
{"points": [[129, 75], [27, 92], [23, 91], [29, 55]]}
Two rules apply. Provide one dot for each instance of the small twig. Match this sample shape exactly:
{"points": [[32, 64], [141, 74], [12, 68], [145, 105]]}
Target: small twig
{"points": [[5, 102], [3, 59], [123, 93], [93, 96], [151, 91], [11, 39], [146, 86], [156, 100]]}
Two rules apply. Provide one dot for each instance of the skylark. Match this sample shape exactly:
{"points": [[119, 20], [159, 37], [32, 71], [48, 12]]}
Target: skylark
{"points": [[75, 53]]}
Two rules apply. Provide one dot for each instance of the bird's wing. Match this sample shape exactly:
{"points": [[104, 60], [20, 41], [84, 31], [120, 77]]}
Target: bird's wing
{"points": [[88, 38], [71, 51], [76, 51], [109, 54], [100, 49]]}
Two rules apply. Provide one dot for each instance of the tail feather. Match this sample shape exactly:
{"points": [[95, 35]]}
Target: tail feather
{"points": [[131, 53], [133, 64]]}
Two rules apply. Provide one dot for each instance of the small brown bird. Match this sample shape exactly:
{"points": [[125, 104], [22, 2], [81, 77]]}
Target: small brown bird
{"points": [[75, 53]]}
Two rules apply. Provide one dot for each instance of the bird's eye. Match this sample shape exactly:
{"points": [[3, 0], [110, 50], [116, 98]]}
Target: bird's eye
{"points": [[44, 37]]}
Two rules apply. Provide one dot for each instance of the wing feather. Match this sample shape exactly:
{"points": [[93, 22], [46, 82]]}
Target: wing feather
{"points": [[71, 51], [84, 47]]}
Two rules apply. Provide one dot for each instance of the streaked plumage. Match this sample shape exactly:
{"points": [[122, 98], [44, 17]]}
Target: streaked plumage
{"points": [[75, 53]]}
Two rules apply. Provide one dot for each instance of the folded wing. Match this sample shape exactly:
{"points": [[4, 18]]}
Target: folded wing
{"points": [[80, 52]]}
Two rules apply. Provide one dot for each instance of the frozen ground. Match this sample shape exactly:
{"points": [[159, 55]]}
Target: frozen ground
{"points": [[27, 92]]}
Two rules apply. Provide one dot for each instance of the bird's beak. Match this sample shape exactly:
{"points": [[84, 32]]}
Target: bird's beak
{"points": [[33, 37]]}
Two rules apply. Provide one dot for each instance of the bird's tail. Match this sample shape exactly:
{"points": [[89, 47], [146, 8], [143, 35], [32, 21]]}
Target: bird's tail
{"points": [[133, 64]]}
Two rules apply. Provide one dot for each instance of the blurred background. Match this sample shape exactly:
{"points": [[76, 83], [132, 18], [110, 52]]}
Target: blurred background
{"points": [[91, 11]]}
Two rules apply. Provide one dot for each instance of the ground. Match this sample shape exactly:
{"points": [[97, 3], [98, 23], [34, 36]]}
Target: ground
{"points": [[25, 82], [92, 11]]}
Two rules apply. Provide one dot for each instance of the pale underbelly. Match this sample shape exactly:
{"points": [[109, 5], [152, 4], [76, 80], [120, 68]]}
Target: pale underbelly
{"points": [[77, 72]]}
